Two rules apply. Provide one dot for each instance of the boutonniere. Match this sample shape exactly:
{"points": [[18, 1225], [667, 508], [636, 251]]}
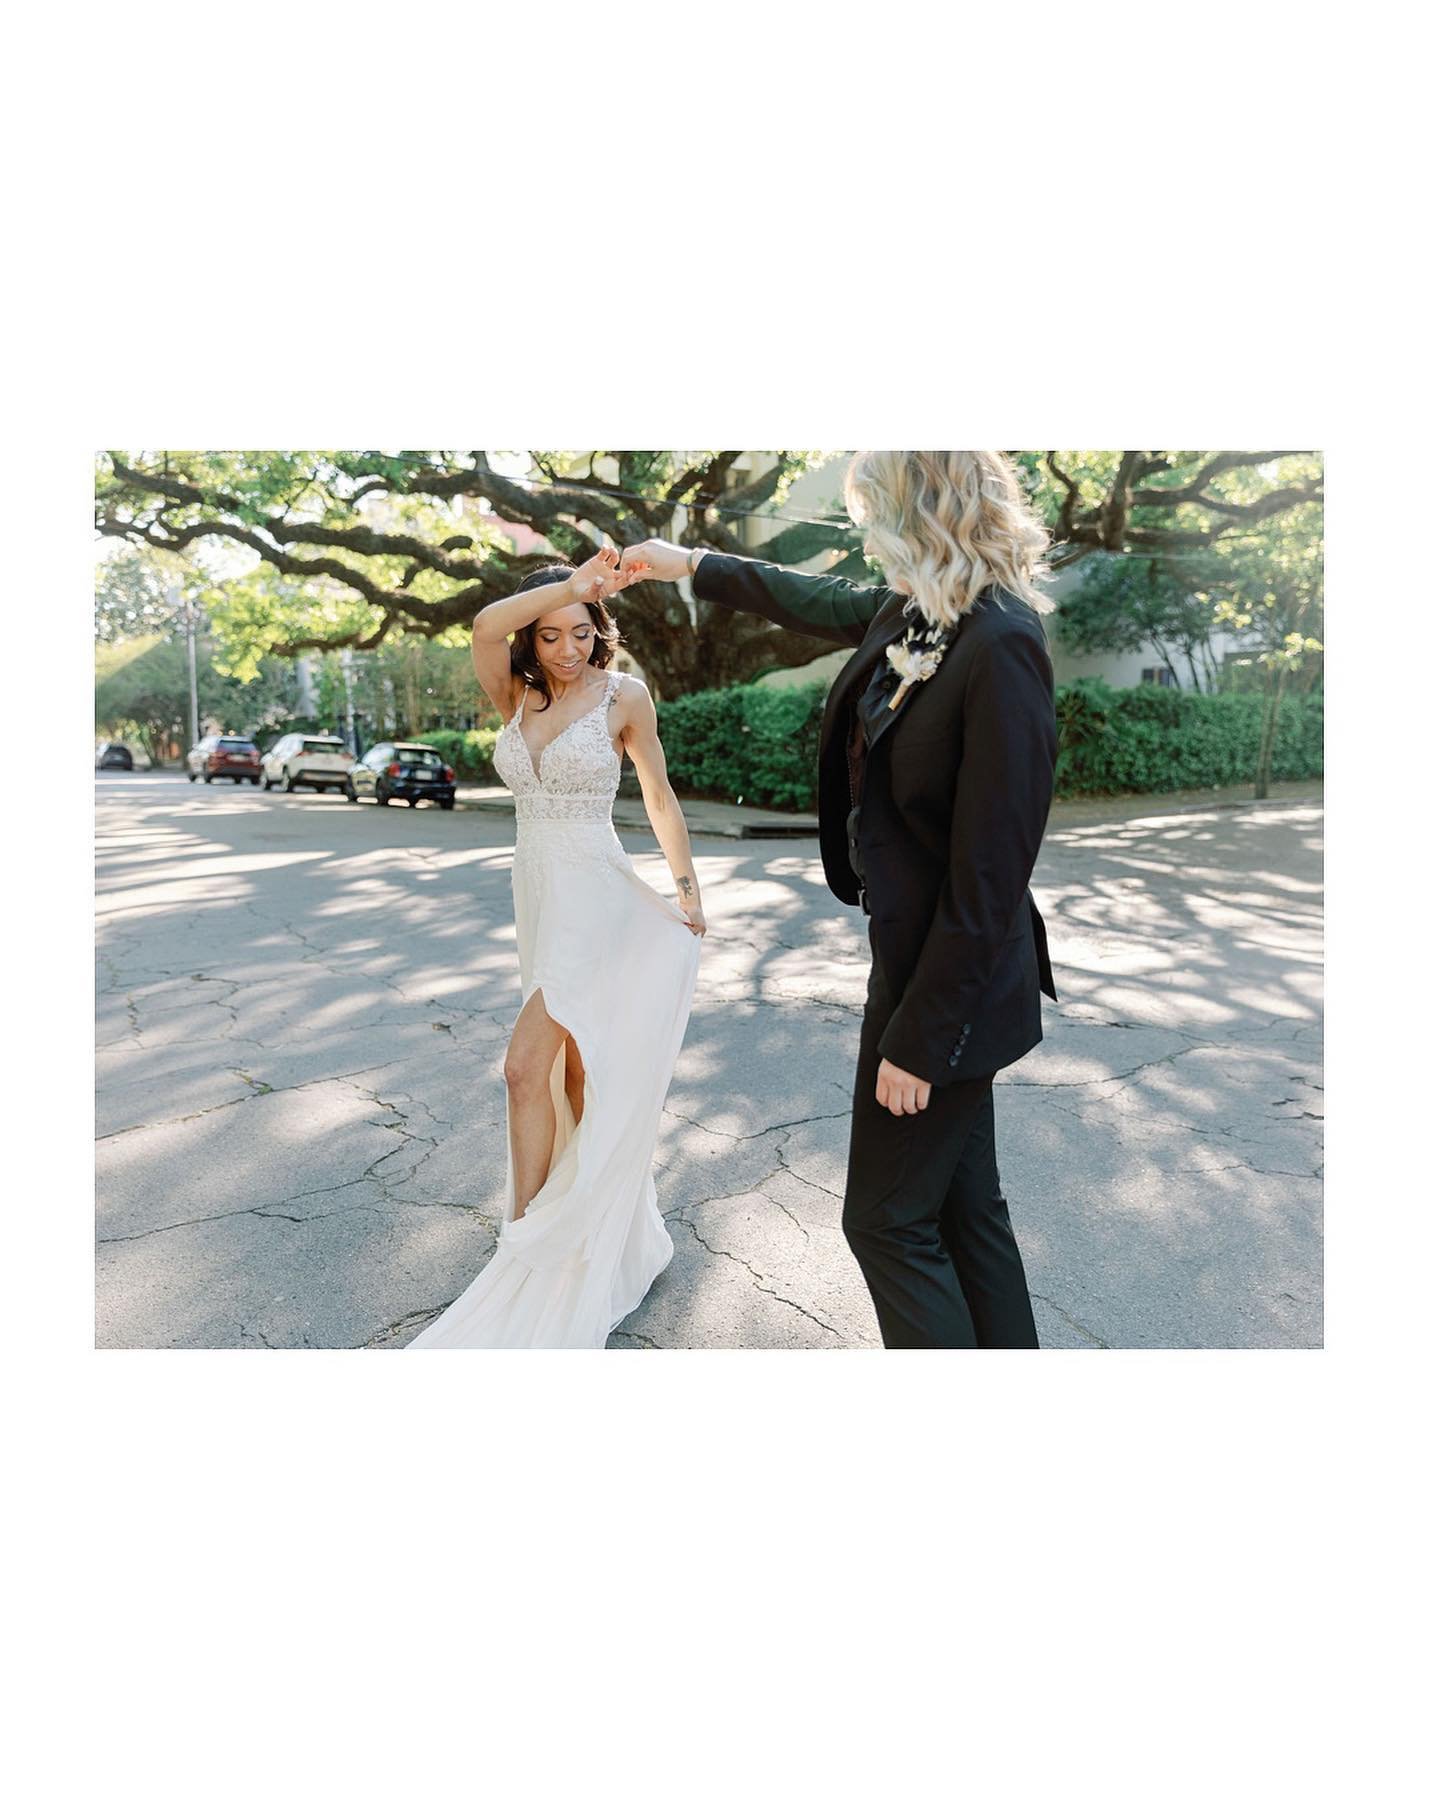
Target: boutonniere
{"points": [[916, 657]]}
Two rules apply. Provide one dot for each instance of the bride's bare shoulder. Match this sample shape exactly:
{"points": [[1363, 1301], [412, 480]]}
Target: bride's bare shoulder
{"points": [[630, 691], [632, 710]]}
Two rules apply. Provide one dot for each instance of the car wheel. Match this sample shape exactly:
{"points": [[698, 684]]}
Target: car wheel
{"points": [[268, 784], [254, 781], [350, 794], [447, 806], [289, 784], [208, 780], [190, 773]]}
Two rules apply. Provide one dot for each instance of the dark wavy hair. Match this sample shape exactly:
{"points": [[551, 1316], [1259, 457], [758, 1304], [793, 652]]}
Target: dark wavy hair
{"points": [[523, 659]]}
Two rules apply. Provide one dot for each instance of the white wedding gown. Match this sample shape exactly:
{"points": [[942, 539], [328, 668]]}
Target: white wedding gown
{"points": [[617, 963]]}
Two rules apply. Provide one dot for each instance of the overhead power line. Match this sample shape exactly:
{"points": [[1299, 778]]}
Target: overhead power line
{"points": [[738, 512]]}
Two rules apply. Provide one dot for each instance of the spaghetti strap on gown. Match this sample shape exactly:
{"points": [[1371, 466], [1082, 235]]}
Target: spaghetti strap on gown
{"points": [[617, 963]]}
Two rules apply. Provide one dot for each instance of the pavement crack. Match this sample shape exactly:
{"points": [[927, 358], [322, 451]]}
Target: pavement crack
{"points": [[748, 1137], [756, 1275], [637, 1337], [1124, 1075], [268, 1210], [1073, 1323], [258, 1091], [791, 1170], [421, 1317]]}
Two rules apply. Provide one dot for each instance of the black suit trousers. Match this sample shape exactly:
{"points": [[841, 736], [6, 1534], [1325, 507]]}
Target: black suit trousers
{"points": [[924, 1215]]}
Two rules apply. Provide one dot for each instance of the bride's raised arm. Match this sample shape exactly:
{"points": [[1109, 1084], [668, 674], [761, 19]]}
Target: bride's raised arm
{"points": [[596, 579]]}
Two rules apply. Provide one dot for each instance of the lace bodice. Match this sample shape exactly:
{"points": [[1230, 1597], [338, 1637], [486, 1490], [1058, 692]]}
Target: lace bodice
{"points": [[578, 773]]}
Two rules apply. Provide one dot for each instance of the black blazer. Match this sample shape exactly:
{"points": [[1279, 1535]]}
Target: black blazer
{"points": [[957, 789]]}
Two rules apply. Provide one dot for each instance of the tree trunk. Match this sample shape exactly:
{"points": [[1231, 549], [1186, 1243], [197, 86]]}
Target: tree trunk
{"points": [[1212, 666], [1164, 655], [1267, 738], [721, 648]]}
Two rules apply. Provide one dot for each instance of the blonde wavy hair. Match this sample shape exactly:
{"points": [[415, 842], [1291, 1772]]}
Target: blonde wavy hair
{"points": [[949, 524]]}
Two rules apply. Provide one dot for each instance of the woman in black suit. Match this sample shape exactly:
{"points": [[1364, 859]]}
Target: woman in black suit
{"points": [[937, 762]]}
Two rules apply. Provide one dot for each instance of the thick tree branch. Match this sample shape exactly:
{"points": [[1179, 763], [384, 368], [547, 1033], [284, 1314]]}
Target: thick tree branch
{"points": [[426, 616], [1065, 526], [1195, 490]]}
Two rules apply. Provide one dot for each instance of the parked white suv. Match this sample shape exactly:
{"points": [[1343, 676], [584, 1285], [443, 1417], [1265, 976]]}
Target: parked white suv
{"points": [[300, 760]]}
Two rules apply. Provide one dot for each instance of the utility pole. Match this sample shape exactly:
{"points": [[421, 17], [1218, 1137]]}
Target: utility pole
{"points": [[190, 651], [345, 661]]}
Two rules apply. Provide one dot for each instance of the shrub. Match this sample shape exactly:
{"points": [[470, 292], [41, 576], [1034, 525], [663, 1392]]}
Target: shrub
{"points": [[761, 745], [755, 745], [470, 753], [1145, 740]]}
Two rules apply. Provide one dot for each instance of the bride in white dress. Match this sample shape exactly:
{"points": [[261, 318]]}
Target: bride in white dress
{"points": [[607, 975]]}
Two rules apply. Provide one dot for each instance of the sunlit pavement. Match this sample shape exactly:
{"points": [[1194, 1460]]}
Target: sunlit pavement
{"points": [[302, 1017]]}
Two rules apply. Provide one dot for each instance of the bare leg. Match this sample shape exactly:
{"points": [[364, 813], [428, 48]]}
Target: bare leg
{"points": [[533, 1046], [574, 1078]]}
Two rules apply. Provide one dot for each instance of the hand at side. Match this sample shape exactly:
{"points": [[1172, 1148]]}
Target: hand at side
{"points": [[899, 1090]]}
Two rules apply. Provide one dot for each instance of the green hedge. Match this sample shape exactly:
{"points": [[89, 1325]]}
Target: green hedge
{"points": [[759, 745], [470, 753], [755, 745], [1149, 740]]}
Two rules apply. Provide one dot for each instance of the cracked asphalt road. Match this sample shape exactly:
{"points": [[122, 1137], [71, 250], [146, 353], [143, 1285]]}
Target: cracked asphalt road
{"points": [[303, 1008]]}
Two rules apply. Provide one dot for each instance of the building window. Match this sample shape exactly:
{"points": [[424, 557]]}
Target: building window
{"points": [[1159, 676]]}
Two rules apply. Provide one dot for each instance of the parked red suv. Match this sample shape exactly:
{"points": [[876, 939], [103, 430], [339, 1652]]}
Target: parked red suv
{"points": [[237, 757]]}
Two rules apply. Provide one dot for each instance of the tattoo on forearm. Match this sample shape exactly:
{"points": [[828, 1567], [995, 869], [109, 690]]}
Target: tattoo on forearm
{"points": [[686, 886]]}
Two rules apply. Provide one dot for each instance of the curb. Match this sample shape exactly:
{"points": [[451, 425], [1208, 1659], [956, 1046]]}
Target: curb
{"points": [[703, 818]]}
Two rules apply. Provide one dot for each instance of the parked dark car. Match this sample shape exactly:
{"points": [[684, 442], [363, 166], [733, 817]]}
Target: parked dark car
{"points": [[114, 756], [237, 757], [411, 772]]}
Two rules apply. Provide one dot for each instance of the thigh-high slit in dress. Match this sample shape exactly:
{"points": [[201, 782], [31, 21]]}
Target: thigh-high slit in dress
{"points": [[617, 964]]}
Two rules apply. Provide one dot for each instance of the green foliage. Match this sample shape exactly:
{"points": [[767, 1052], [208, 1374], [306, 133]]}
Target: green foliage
{"points": [[1263, 586], [1272, 595], [1146, 740], [140, 592], [142, 690], [406, 687], [1093, 474], [289, 552], [760, 745], [470, 753], [752, 745], [1126, 602]]}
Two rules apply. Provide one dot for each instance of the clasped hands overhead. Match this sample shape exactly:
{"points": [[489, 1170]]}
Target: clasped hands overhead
{"points": [[609, 570]]}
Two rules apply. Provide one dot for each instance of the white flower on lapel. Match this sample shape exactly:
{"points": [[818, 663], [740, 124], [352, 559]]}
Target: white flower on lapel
{"points": [[913, 664]]}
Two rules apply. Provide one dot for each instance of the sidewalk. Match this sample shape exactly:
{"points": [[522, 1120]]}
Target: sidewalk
{"points": [[720, 818], [705, 818]]}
